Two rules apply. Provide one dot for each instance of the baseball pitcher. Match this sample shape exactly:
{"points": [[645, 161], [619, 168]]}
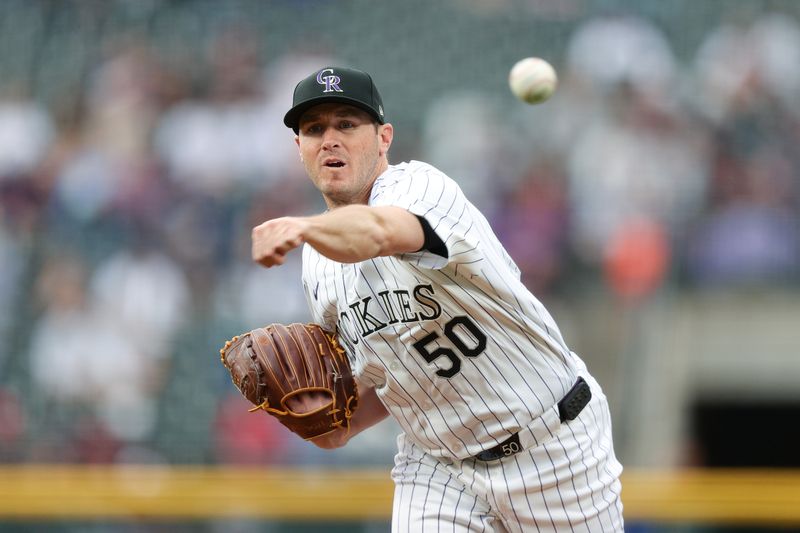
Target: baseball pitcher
{"points": [[503, 427]]}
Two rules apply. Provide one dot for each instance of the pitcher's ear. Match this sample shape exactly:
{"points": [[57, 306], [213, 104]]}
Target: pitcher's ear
{"points": [[386, 133]]}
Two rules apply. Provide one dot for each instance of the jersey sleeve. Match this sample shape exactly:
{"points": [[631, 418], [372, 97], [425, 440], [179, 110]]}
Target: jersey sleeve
{"points": [[429, 193]]}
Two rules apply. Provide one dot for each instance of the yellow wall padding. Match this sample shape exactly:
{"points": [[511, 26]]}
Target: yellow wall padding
{"points": [[56, 492]]}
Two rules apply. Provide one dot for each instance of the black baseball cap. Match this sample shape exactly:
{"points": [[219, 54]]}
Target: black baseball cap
{"points": [[335, 84]]}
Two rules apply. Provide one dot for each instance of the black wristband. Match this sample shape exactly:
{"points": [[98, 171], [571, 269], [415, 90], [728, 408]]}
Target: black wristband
{"points": [[433, 243]]}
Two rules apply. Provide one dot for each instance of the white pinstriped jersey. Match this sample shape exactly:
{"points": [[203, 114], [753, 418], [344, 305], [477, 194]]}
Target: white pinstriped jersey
{"points": [[459, 351]]}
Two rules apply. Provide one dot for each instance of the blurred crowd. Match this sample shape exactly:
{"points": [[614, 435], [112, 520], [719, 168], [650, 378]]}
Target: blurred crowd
{"points": [[125, 223]]}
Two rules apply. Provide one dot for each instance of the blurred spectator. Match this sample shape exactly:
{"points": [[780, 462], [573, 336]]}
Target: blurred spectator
{"points": [[474, 157], [533, 225], [645, 159], [737, 67], [776, 39], [146, 294], [87, 184], [222, 138], [195, 230], [633, 51], [26, 133], [22, 207], [636, 260], [123, 100], [78, 354]]}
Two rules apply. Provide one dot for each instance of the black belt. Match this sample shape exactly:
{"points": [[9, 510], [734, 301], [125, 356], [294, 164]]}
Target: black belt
{"points": [[569, 407]]}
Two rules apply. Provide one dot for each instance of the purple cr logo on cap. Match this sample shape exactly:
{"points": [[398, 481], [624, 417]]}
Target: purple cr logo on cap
{"points": [[331, 82]]}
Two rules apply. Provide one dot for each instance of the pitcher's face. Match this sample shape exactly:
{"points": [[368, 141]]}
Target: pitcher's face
{"points": [[343, 150]]}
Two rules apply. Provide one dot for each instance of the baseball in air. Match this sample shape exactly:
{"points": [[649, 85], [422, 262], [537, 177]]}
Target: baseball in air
{"points": [[532, 80]]}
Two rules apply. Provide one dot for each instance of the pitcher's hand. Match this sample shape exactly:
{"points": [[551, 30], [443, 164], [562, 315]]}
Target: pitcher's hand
{"points": [[273, 239]]}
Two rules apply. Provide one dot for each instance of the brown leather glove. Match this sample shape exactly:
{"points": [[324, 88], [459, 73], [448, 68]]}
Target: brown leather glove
{"points": [[275, 364]]}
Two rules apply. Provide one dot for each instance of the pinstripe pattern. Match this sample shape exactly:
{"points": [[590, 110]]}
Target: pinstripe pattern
{"points": [[463, 356], [577, 465]]}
